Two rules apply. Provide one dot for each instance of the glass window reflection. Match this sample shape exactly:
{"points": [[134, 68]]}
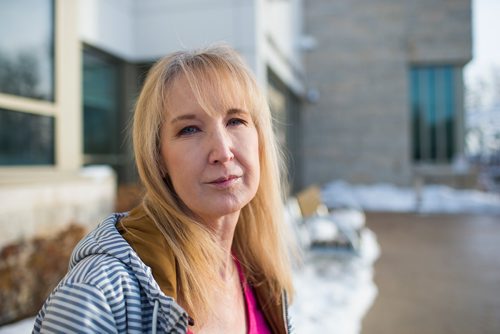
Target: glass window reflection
{"points": [[27, 48], [433, 113], [26, 139], [100, 104]]}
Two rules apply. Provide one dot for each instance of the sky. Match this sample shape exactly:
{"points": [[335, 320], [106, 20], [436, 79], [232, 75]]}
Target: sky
{"points": [[482, 98], [486, 40]]}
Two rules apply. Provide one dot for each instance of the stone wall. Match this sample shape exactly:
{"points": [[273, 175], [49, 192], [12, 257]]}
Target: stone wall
{"points": [[42, 217], [359, 129], [30, 269]]}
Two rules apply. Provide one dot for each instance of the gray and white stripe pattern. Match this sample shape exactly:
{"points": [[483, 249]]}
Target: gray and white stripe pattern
{"points": [[108, 289]]}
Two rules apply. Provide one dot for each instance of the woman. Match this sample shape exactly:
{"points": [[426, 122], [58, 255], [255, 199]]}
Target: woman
{"points": [[205, 252]]}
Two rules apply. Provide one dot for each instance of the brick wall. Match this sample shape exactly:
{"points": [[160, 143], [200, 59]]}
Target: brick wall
{"points": [[359, 129]]}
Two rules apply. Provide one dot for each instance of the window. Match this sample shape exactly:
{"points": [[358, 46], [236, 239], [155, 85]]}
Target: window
{"points": [[105, 116], [27, 111], [285, 108], [26, 139], [434, 111], [27, 48], [101, 111], [110, 87]]}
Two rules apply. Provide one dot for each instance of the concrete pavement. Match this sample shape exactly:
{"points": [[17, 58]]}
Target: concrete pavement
{"points": [[436, 274]]}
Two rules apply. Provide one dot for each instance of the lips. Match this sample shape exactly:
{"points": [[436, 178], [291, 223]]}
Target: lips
{"points": [[224, 182], [224, 179]]}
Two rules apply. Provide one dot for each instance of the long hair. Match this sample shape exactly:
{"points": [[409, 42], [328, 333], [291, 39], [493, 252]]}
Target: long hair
{"points": [[260, 240]]}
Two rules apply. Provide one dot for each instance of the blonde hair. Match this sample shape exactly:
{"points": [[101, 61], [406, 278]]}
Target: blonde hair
{"points": [[260, 241]]}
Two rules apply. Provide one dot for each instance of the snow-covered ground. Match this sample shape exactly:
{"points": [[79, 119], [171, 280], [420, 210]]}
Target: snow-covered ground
{"points": [[335, 290], [387, 197]]}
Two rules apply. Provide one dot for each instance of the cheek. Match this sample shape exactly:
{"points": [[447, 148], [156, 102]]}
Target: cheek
{"points": [[183, 174], [253, 155], [176, 166]]}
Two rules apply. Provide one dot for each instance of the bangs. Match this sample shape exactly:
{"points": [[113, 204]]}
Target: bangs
{"points": [[219, 85]]}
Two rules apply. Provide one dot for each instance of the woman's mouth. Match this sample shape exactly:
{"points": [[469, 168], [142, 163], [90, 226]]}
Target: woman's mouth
{"points": [[224, 181]]}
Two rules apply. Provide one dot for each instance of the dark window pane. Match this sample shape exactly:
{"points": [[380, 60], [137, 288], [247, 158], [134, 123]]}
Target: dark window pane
{"points": [[431, 113], [432, 94], [285, 108], [423, 80], [416, 110], [440, 115], [27, 48], [100, 104], [26, 139], [450, 114]]}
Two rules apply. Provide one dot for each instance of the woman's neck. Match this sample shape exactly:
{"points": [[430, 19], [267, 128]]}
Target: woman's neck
{"points": [[223, 229]]}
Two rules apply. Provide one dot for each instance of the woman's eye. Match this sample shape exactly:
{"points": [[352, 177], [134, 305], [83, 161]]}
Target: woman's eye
{"points": [[188, 130], [236, 121]]}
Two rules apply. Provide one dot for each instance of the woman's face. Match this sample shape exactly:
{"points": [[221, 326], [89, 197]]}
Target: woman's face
{"points": [[212, 161]]}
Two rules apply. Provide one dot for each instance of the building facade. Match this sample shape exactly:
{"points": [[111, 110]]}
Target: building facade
{"points": [[389, 77], [360, 90], [70, 72]]}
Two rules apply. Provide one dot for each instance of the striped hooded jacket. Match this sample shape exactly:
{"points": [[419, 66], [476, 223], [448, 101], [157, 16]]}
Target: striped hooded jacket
{"points": [[109, 289]]}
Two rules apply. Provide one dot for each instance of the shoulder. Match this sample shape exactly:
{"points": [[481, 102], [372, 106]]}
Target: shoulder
{"points": [[99, 290], [102, 271], [108, 289], [76, 307], [118, 282], [96, 295]]}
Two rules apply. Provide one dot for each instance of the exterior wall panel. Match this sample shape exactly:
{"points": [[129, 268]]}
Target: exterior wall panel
{"points": [[359, 129]]}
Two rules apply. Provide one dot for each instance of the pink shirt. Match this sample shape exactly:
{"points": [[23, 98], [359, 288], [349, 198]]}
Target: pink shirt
{"points": [[256, 322]]}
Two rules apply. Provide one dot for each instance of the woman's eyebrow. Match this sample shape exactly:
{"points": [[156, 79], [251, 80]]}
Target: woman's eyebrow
{"points": [[183, 117], [230, 112], [234, 111]]}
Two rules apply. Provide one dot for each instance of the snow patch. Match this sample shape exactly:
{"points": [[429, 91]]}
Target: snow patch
{"points": [[387, 197]]}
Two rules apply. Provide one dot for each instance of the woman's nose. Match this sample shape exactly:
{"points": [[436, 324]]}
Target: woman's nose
{"points": [[221, 149]]}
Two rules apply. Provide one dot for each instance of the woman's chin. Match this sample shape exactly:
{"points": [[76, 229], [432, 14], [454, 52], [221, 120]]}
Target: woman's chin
{"points": [[221, 210]]}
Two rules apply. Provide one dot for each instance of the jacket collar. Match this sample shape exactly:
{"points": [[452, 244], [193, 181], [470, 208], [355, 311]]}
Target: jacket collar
{"points": [[106, 240]]}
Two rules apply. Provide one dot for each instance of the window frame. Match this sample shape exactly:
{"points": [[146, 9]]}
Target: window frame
{"points": [[65, 107]]}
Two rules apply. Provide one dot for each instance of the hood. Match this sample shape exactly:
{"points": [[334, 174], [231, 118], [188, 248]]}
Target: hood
{"points": [[106, 240]]}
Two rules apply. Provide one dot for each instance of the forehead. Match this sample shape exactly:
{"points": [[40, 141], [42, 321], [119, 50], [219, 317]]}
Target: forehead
{"points": [[212, 94], [180, 99]]}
